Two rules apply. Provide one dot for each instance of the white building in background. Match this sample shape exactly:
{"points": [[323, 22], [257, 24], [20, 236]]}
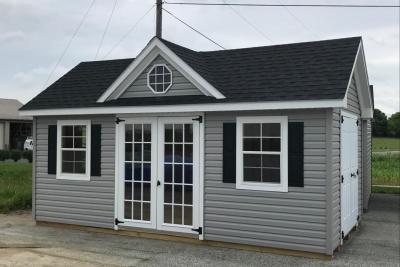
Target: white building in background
{"points": [[13, 128]]}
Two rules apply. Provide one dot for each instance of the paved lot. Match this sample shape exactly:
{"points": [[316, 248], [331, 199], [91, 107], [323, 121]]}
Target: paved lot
{"points": [[24, 244]]}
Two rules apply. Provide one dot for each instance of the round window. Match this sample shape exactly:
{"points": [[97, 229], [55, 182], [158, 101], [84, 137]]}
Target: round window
{"points": [[159, 78]]}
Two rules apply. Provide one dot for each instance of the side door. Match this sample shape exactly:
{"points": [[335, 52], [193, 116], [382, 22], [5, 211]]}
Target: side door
{"points": [[349, 173]]}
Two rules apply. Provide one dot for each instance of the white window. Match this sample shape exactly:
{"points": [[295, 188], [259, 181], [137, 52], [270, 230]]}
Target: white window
{"points": [[73, 149], [261, 153], [159, 78]]}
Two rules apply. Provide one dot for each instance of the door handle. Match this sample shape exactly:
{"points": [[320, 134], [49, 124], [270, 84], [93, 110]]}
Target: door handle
{"points": [[352, 175], [158, 183]]}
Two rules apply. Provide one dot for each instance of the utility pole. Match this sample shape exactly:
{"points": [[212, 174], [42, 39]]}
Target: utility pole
{"points": [[159, 18]]}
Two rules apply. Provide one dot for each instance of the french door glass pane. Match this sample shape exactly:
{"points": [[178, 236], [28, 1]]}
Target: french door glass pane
{"points": [[178, 174], [137, 172]]}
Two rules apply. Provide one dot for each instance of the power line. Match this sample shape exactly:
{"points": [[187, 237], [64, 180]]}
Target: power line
{"points": [[69, 42], [298, 20], [106, 28], [128, 32], [187, 25], [280, 5], [249, 23]]}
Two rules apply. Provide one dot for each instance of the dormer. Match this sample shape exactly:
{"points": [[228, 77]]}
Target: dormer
{"points": [[158, 72]]}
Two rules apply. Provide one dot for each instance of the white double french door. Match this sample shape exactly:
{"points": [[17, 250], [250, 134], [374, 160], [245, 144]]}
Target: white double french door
{"points": [[158, 175]]}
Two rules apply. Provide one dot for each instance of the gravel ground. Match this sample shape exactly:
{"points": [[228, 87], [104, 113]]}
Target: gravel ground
{"points": [[22, 243]]}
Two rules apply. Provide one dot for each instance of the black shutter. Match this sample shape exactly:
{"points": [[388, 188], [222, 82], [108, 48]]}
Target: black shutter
{"points": [[95, 150], [229, 153], [296, 154], [52, 149]]}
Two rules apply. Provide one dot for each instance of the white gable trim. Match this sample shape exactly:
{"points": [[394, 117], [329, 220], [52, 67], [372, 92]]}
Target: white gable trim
{"points": [[148, 54], [271, 105], [360, 74]]}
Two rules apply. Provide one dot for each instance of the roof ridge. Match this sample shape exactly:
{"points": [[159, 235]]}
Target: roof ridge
{"points": [[282, 45], [262, 46], [108, 60]]}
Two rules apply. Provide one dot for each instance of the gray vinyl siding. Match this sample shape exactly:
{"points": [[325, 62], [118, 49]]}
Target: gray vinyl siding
{"points": [[353, 106], [335, 179], [180, 85], [293, 220], [89, 203], [367, 146]]}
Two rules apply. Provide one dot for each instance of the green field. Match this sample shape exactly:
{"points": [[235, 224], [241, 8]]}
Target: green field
{"points": [[385, 144], [386, 171], [15, 186]]}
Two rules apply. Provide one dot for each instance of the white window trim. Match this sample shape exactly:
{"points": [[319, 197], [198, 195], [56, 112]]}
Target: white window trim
{"points": [[74, 176], [240, 183], [148, 79]]}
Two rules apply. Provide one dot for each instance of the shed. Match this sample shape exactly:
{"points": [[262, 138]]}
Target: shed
{"points": [[264, 146]]}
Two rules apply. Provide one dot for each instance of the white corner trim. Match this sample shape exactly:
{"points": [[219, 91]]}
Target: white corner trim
{"points": [[116, 175], [270, 105], [155, 42]]}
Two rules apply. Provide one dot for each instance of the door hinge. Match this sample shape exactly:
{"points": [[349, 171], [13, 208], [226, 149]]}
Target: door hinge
{"points": [[116, 221], [342, 178], [342, 119], [118, 120], [199, 230], [358, 218], [342, 235], [357, 171], [358, 122], [199, 119]]}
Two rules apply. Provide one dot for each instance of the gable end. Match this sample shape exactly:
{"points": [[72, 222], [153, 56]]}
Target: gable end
{"points": [[180, 84], [154, 49]]}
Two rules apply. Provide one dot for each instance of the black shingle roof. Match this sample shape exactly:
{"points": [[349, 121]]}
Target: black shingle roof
{"points": [[300, 71]]}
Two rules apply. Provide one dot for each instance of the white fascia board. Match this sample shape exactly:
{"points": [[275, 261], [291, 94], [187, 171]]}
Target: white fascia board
{"points": [[271, 105], [366, 108], [155, 42], [353, 69], [127, 71]]}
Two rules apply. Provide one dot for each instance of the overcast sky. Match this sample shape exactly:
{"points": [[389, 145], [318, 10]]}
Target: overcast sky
{"points": [[33, 35]]}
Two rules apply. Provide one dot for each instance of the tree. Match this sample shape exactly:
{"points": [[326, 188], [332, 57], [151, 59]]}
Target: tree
{"points": [[394, 125], [379, 123]]}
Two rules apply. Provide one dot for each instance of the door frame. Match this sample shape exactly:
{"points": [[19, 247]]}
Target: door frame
{"points": [[120, 167], [196, 184], [355, 117], [119, 133]]}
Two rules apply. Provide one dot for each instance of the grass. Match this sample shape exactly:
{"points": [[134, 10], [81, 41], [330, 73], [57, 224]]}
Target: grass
{"points": [[386, 171], [385, 144], [15, 186]]}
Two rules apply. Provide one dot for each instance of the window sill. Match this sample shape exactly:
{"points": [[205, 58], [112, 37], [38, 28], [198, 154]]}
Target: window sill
{"points": [[73, 177], [262, 187]]}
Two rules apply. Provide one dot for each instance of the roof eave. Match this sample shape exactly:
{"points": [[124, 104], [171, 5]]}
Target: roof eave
{"points": [[245, 106]]}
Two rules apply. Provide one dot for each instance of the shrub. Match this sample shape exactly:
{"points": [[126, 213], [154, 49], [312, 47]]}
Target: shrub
{"points": [[27, 154], [15, 154], [4, 154]]}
